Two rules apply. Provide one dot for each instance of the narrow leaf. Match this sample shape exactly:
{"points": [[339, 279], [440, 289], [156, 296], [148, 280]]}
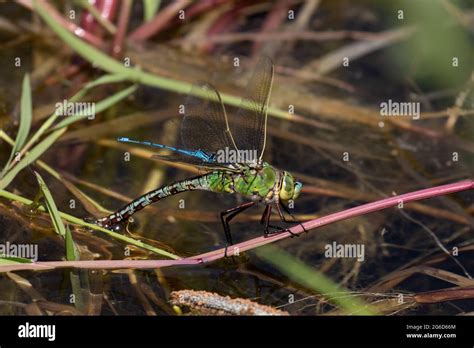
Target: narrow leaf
{"points": [[150, 7], [109, 78], [100, 106], [51, 206], [314, 280], [31, 156], [77, 290], [6, 260], [25, 121], [26, 114], [72, 252]]}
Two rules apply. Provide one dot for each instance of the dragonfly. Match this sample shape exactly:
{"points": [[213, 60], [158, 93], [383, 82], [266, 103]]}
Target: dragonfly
{"points": [[229, 151]]}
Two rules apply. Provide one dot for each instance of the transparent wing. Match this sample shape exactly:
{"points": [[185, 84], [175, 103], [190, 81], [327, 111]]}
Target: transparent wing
{"points": [[205, 126], [249, 124], [205, 166]]}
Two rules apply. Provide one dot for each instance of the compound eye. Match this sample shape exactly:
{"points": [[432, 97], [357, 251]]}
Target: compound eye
{"points": [[297, 191], [287, 190]]}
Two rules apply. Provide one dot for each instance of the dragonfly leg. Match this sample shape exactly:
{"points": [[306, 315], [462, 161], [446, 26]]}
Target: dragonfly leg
{"points": [[283, 218], [228, 215], [266, 222]]}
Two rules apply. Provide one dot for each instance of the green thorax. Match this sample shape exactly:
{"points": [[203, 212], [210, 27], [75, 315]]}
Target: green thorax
{"points": [[257, 183]]}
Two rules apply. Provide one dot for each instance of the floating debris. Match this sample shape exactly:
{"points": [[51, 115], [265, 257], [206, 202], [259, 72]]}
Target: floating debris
{"points": [[209, 303]]}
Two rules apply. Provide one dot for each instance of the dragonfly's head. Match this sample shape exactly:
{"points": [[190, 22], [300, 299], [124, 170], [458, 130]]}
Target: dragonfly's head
{"points": [[290, 188]]}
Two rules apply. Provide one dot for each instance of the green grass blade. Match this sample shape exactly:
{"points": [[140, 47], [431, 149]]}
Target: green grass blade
{"points": [[25, 121], [48, 123], [109, 78], [72, 252], [51, 206], [75, 278], [150, 7], [8, 260], [97, 15], [314, 280], [100, 106], [30, 157], [78, 96], [57, 176], [26, 114]]}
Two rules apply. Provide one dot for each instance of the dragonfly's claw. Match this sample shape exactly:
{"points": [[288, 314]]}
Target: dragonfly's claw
{"points": [[291, 233], [304, 229], [278, 229]]}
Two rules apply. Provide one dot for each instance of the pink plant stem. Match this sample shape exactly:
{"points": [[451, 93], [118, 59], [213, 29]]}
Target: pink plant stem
{"points": [[224, 23], [88, 22], [147, 30], [343, 215], [97, 264], [203, 6], [272, 22], [76, 30], [153, 27], [252, 243], [107, 9], [124, 17]]}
